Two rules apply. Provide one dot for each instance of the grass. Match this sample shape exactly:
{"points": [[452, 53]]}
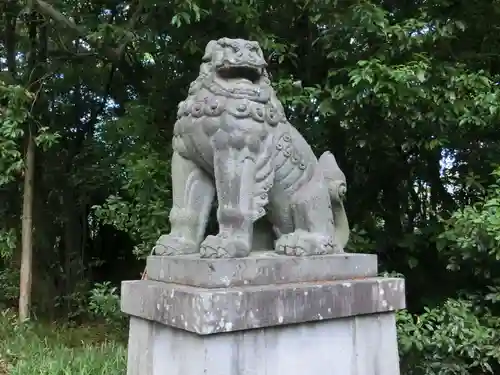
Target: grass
{"points": [[42, 349]]}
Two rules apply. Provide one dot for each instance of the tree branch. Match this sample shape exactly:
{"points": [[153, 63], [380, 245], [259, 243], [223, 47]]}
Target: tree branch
{"points": [[132, 24], [113, 54], [49, 11]]}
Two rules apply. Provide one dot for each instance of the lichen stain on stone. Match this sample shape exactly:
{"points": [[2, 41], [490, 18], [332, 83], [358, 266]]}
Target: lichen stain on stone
{"points": [[225, 280], [221, 323], [251, 319], [206, 311], [237, 304], [205, 301]]}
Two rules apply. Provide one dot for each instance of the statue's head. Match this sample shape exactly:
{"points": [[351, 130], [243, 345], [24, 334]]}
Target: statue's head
{"points": [[234, 66]]}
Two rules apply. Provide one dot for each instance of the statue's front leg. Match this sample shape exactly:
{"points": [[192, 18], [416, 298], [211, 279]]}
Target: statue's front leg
{"points": [[192, 195], [234, 168]]}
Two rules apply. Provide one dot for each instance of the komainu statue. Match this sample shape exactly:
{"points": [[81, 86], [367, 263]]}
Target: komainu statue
{"points": [[232, 139]]}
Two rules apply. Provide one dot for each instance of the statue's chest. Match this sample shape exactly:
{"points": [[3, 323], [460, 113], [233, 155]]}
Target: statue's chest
{"points": [[210, 113], [200, 116]]}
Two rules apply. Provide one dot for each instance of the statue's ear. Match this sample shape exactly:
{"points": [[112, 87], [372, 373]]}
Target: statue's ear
{"points": [[209, 50]]}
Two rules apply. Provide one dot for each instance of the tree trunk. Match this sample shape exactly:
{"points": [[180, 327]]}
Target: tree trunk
{"points": [[27, 233], [37, 54]]}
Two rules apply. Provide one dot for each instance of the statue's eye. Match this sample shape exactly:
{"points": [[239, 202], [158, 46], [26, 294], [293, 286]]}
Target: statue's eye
{"points": [[235, 48], [252, 48]]}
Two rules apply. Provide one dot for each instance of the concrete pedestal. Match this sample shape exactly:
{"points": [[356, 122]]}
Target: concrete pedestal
{"points": [[263, 315]]}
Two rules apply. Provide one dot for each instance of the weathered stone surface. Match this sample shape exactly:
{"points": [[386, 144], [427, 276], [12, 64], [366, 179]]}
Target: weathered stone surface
{"points": [[208, 311], [233, 142], [361, 345], [259, 269]]}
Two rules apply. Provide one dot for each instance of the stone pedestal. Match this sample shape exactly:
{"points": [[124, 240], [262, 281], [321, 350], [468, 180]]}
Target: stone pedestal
{"points": [[264, 314]]}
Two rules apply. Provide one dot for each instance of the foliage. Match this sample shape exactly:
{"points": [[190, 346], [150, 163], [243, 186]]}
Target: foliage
{"points": [[14, 113], [449, 340], [472, 234], [104, 302], [9, 275], [141, 208], [48, 350], [471, 243], [461, 337]]}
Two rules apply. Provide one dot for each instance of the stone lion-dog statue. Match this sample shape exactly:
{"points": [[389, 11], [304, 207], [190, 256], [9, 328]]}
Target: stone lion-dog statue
{"points": [[232, 139]]}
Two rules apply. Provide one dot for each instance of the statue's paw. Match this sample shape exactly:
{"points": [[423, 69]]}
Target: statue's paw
{"points": [[287, 243], [224, 247], [302, 243], [169, 244]]}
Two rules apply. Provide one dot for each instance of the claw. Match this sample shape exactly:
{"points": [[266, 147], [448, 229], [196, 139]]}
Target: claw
{"points": [[221, 246], [222, 253], [160, 250], [170, 245], [303, 243], [208, 252]]}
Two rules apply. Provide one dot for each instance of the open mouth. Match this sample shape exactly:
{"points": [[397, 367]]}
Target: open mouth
{"points": [[232, 73]]}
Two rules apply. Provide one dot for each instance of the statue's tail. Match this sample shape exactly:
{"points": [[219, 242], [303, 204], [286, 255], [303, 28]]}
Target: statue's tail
{"points": [[337, 187]]}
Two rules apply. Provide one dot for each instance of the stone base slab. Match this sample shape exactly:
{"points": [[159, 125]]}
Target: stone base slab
{"points": [[362, 345], [261, 268], [208, 311]]}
